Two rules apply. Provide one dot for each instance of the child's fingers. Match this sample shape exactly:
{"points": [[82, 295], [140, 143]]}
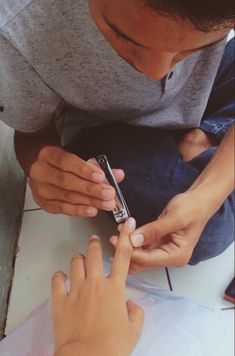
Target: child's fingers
{"points": [[58, 288], [122, 256], [94, 261], [136, 316], [119, 228], [77, 273], [113, 240]]}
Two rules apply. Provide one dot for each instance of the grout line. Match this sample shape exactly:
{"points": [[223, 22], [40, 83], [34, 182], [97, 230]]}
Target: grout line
{"points": [[18, 232], [28, 210], [168, 279]]}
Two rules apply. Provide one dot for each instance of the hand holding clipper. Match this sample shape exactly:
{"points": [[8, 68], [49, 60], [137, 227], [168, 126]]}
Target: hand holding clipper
{"points": [[121, 211]]}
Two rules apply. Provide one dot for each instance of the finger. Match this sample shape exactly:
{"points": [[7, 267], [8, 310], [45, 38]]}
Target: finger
{"points": [[58, 288], [136, 316], [119, 228], [94, 261], [122, 256], [151, 232], [51, 192], [77, 273], [119, 175], [58, 207], [171, 254], [134, 269], [113, 240], [69, 162], [151, 258], [44, 173]]}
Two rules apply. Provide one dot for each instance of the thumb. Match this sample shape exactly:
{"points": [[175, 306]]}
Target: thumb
{"points": [[136, 315], [154, 231]]}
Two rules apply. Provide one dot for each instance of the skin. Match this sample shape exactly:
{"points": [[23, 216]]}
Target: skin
{"points": [[93, 318], [63, 183], [158, 42], [171, 239], [60, 181]]}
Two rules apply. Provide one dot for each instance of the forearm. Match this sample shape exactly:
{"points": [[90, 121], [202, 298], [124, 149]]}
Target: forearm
{"points": [[28, 146], [216, 181]]}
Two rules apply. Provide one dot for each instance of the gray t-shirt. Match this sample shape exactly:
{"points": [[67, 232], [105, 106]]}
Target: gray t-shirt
{"points": [[54, 63]]}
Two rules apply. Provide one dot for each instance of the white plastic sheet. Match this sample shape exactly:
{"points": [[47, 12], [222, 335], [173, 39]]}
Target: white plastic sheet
{"points": [[174, 326]]}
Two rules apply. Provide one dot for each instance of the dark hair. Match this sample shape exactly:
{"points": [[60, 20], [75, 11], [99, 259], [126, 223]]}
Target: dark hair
{"points": [[205, 15]]}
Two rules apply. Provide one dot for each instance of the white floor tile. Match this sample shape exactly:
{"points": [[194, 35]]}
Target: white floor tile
{"points": [[206, 282], [226, 345], [47, 242], [156, 277], [29, 201]]}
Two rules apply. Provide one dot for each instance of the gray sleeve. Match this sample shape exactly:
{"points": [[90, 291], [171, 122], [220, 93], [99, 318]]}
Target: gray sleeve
{"points": [[26, 103]]}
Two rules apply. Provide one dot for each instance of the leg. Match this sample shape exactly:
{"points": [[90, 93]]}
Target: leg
{"points": [[220, 111]]}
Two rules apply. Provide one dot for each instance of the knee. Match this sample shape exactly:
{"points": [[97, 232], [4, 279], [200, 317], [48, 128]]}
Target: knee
{"points": [[199, 254], [194, 142]]}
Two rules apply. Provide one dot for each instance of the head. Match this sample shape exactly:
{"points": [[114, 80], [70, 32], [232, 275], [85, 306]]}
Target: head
{"points": [[153, 35]]}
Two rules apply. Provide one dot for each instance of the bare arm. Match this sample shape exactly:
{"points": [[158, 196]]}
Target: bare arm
{"points": [[217, 180], [28, 145]]}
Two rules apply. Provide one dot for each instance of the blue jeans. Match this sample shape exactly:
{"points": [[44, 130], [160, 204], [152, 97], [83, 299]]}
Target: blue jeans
{"points": [[155, 170]]}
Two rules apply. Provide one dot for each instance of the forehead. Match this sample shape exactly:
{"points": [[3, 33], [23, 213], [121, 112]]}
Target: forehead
{"points": [[153, 30]]}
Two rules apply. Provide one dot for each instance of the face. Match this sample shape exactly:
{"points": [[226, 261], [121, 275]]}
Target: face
{"points": [[150, 42]]}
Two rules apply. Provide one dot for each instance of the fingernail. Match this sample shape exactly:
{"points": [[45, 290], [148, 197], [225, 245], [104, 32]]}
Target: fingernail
{"points": [[108, 193], [131, 223], [94, 237], [119, 228], [92, 161], [113, 240], [91, 211], [97, 177], [60, 274], [137, 240]]}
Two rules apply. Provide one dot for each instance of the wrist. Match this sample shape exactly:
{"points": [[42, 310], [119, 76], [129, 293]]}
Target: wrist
{"points": [[216, 181], [27, 157], [209, 197]]}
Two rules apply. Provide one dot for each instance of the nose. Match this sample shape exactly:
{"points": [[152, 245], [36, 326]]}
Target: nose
{"points": [[156, 66]]}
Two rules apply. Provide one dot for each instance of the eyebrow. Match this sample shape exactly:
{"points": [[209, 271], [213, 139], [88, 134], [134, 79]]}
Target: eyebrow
{"points": [[122, 34]]}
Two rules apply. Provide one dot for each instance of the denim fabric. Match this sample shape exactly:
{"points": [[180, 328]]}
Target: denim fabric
{"points": [[220, 111], [155, 170]]}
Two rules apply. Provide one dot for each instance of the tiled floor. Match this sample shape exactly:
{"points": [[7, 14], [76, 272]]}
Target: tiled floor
{"points": [[47, 243]]}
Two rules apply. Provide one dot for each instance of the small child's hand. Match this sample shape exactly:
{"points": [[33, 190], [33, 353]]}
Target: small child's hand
{"points": [[94, 318]]}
